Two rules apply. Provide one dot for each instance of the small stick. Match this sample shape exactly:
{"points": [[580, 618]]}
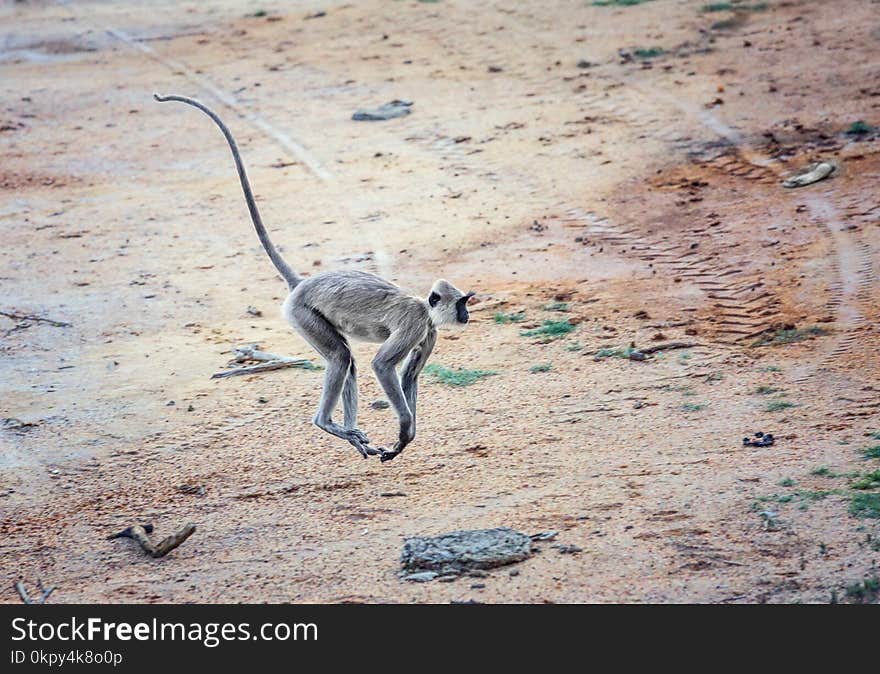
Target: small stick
{"points": [[243, 353], [28, 317], [261, 367], [44, 592], [667, 347], [139, 533]]}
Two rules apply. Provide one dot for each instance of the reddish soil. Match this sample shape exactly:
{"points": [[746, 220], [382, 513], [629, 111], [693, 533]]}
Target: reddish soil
{"points": [[625, 161]]}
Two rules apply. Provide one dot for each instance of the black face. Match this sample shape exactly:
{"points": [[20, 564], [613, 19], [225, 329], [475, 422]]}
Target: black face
{"points": [[461, 311]]}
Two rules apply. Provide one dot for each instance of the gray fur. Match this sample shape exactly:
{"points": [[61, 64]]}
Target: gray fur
{"points": [[330, 308]]}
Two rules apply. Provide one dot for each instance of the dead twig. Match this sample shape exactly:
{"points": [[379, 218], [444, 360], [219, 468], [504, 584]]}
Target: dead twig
{"points": [[669, 346], [138, 532], [29, 317], [266, 362], [262, 367], [252, 352], [27, 599]]}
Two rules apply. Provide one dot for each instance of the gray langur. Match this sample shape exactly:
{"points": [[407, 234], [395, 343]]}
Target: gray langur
{"points": [[329, 308]]}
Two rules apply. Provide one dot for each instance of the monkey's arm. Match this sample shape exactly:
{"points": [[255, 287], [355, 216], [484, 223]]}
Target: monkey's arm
{"points": [[413, 367], [398, 345]]}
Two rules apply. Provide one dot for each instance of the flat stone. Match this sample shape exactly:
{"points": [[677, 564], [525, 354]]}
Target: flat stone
{"points": [[463, 551], [422, 577]]}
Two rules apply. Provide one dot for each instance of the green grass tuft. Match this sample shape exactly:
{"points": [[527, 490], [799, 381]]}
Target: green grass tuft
{"points": [[550, 329], [618, 3], [693, 407], [555, 306], [859, 128], [717, 7], [648, 53], [504, 319], [612, 352], [872, 452], [787, 482], [766, 390], [869, 481], [864, 592], [865, 504], [789, 336], [459, 377], [541, 367], [778, 405]]}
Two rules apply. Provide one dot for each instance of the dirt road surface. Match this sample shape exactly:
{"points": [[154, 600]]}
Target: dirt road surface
{"points": [[618, 168]]}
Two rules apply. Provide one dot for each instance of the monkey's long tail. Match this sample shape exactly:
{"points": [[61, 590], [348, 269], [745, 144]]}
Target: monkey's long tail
{"points": [[283, 268]]}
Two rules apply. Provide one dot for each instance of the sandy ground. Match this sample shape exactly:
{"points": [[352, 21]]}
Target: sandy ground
{"points": [[551, 157]]}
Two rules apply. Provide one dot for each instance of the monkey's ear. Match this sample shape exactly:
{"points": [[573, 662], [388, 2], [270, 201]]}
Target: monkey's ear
{"points": [[433, 298]]}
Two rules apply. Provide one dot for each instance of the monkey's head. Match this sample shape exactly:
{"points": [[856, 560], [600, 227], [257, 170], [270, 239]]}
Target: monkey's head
{"points": [[448, 305]]}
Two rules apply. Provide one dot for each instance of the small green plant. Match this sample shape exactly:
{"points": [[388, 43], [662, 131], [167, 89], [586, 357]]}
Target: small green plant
{"points": [[648, 52], [766, 390], [771, 368], [872, 452], [618, 3], [728, 7], [876, 435], [555, 306], [778, 405], [459, 377], [609, 352], [869, 481], [574, 346], [823, 471], [789, 336], [787, 482], [859, 128], [504, 319], [866, 505], [541, 367], [865, 591], [693, 407], [717, 7], [550, 330]]}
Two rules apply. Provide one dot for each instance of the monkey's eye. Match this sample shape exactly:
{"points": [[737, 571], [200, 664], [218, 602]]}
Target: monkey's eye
{"points": [[433, 298]]}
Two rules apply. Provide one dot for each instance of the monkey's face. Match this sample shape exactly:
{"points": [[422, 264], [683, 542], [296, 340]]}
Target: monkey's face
{"points": [[448, 305]]}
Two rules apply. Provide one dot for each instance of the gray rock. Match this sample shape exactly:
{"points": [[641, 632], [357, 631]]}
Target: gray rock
{"points": [[380, 404], [463, 551], [422, 577], [388, 111]]}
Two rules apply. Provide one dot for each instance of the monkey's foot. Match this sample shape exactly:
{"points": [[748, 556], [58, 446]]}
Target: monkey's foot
{"points": [[357, 434], [365, 449]]}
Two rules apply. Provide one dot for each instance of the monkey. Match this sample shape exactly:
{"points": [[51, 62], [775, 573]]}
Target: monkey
{"points": [[332, 307]]}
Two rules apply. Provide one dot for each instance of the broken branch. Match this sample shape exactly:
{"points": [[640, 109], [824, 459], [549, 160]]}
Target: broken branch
{"points": [[29, 317], [138, 532], [262, 367], [266, 362], [26, 598]]}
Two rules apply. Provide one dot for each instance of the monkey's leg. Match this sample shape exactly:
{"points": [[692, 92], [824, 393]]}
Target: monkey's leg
{"points": [[409, 378], [327, 341], [394, 350], [350, 403]]}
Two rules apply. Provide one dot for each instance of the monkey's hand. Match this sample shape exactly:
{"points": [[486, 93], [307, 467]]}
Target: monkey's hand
{"points": [[389, 454]]}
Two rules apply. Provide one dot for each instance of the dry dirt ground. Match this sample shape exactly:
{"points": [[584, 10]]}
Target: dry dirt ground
{"points": [[616, 167]]}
